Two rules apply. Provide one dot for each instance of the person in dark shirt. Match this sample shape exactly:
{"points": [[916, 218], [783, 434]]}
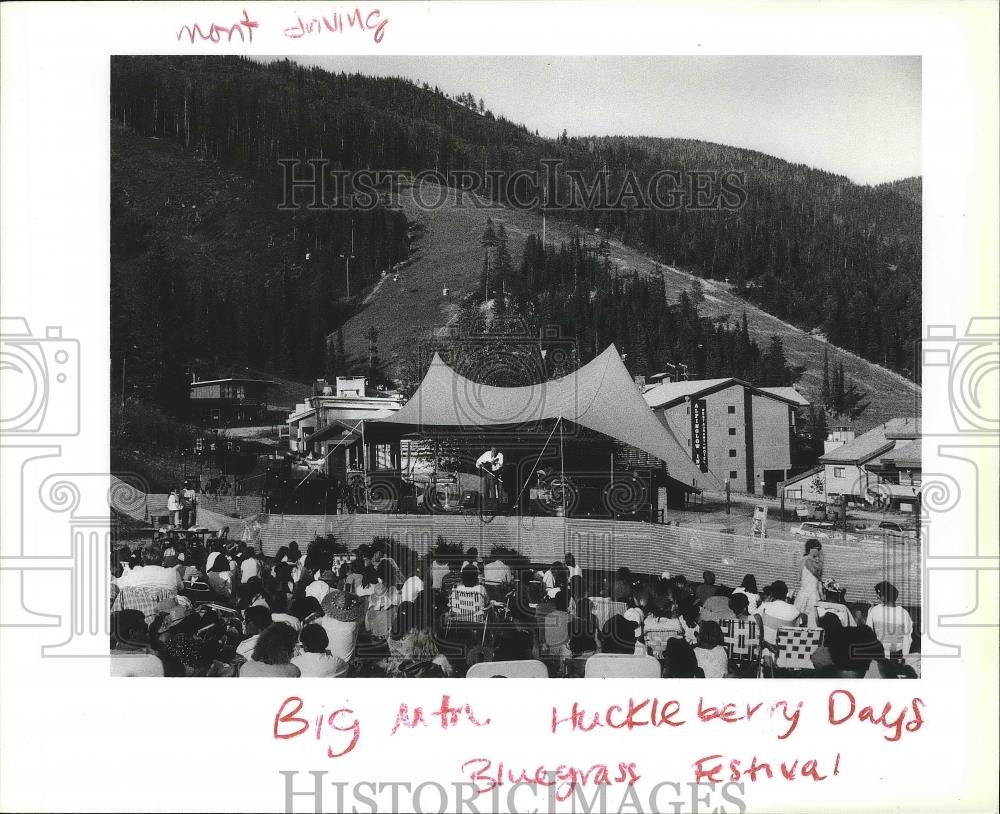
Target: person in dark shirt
{"points": [[707, 588]]}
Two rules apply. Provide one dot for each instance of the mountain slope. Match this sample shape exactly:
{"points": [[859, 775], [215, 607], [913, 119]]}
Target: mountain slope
{"points": [[448, 253], [808, 246], [209, 266]]}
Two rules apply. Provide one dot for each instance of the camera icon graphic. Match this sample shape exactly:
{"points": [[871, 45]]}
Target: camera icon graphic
{"points": [[39, 380], [969, 366]]}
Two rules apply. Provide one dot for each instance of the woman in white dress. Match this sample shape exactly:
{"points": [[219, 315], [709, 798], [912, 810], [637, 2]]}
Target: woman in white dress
{"points": [[810, 589]]}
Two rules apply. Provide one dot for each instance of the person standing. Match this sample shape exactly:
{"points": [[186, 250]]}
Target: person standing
{"points": [[490, 463], [174, 507], [810, 587], [188, 503]]}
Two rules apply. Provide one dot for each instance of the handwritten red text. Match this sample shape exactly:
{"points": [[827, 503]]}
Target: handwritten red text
{"points": [[447, 715], [337, 23], [214, 32], [345, 726]]}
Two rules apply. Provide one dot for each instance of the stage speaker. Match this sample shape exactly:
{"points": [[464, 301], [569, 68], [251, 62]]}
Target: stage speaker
{"points": [[408, 504], [470, 499], [491, 504]]}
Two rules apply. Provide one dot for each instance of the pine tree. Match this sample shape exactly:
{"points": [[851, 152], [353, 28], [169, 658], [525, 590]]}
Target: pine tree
{"points": [[697, 292], [373, 360], [776, 368], [484, 280], [826, 392], [838, 391]]}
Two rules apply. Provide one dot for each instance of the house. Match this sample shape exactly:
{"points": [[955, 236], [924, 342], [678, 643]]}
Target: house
{"points": [[882, 466], [231, 402], [837, 438], [899, 477], [733, 430], [323, 419]]}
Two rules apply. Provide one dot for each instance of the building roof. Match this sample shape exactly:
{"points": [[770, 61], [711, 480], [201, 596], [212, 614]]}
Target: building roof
{"points": [[907, 431], [787, 393], [905, 456], [802, 476], [600, 396], [667, 394], [222, 381], [336, 430], [873, 443]]}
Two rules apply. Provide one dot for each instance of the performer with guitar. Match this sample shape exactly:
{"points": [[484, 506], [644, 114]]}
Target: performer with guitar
{"points": [[490, 464]]}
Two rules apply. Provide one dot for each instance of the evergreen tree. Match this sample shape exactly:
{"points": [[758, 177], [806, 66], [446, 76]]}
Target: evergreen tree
{"points": [[826, 393], [775, 365], [697, 292]]}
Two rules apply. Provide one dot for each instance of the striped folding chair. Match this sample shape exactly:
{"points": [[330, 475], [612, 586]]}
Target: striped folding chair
{"points": [[794, 646], [741, 638], [466, 606], [142, 598], [604, 608], [837, 609], [656, 640]]}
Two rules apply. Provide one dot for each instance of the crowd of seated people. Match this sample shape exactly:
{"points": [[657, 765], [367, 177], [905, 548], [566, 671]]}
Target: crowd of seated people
{"points": [[223, 609]]}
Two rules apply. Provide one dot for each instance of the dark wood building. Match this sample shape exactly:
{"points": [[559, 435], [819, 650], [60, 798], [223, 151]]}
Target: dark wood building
{"points": [[229, 402]]}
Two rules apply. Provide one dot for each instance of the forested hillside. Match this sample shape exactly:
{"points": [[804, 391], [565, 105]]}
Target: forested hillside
{"points": [[808, 246]]}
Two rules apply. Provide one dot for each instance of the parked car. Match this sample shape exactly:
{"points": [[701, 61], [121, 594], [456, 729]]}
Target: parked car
{"points": [[819, 531], [892, 527]]}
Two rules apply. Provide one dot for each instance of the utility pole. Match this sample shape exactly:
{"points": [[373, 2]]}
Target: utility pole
{"points": [[348, 258]]}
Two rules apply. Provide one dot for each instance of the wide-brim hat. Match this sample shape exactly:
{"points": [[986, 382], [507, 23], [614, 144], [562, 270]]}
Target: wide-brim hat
{"points": [[343, 607], [177, 609]]}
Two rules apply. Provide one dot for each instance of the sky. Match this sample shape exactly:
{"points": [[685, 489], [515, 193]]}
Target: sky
{"points": [[854, 116]]}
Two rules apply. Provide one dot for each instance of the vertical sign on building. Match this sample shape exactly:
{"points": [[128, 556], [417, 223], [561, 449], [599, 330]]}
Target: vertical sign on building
{"points": [[699, 434], [758, 526]]}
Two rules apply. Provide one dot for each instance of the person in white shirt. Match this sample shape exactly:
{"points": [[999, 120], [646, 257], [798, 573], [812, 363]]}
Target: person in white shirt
{"points": [[497, 572], [777, 613], [249, 568], [490, 464], [316, 661], [317, 589], [439, 570], [412, 588], [555, 579], [892, 624], [343, 618], [749, 587], [152, 573], [174, 507], [255, 619], [574, 569]]}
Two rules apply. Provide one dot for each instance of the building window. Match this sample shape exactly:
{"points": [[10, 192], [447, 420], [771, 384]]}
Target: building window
{"points": [[731, 409], [794, 494], [732, 430], [732, 453], [732, 474], [838, 471]]}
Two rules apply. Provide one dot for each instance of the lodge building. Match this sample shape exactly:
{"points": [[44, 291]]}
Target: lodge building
{"points": [[731, 429]]}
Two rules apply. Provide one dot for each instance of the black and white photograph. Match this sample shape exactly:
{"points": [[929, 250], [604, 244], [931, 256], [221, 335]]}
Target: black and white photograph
{"points": [[414, 374], [649, 350]]}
